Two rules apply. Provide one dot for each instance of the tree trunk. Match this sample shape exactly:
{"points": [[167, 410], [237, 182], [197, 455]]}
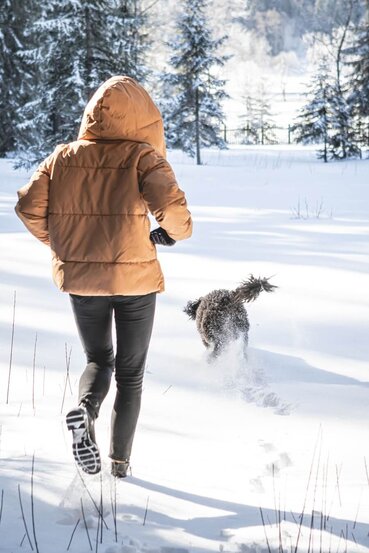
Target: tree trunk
{"points": [[197, 127], [325, 151]]}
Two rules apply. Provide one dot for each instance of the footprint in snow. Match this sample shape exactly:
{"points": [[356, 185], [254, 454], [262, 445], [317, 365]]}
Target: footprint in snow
{"points": [[278, 464], [256, 485]]}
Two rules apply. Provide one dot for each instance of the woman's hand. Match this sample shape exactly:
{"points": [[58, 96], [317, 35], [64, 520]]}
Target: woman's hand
{"points": [[161, 237]]}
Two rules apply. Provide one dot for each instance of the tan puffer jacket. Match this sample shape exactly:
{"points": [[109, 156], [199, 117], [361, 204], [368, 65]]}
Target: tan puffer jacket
{"points": [[89, 200]]}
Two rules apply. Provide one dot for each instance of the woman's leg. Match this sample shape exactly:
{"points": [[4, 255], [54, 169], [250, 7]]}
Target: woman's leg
{"points": [[134, 316], [93, 315]]}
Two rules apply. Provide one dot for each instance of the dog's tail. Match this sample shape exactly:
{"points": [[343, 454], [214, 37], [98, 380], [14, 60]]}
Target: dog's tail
{"points": [[191, 308], [250, 289]]}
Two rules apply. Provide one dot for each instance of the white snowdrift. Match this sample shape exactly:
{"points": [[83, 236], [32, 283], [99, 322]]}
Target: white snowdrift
{"points": [[222, 447]]}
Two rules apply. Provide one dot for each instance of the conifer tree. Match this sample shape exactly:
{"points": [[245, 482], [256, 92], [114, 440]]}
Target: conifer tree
{"points": [[82, 43], [266, 123], [257, 122], [128, 34], [358, 61], [194, 114], [343, 140], [327, 118], [15, 80], [249, 120], [314, 121]]}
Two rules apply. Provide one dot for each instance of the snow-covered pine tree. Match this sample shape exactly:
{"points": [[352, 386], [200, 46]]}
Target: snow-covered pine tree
{"points": [[314, 120], [249, 120], [257, 123], [266, 122], [342, 140], [73, 55], [193, 115], [15, 18], [357, 57], [128, 30], [82, 43]]}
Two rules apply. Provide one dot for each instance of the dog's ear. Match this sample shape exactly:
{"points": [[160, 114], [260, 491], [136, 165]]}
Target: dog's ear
{"points": [[191, 308]]}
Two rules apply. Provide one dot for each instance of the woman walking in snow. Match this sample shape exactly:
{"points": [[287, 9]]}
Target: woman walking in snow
{"points": [[89, 202]]}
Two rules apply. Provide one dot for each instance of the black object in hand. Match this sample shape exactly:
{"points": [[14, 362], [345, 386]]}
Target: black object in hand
{"points": [[161, 237]]}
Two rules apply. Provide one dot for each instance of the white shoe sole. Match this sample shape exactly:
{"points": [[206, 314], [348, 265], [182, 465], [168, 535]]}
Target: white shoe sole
{"points": [[85, 451]]}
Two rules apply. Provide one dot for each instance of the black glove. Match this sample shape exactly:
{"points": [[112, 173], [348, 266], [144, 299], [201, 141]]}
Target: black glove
{"points": [[161, 237]]}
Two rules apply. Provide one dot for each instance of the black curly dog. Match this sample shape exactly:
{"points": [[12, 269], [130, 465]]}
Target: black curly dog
{"points": [[221, 317]]}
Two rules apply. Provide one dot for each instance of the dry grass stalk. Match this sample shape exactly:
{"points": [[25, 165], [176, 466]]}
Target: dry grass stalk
{"points": [[67, 377], [67, 363], [1, 505], [274, 495], [43, 382], [146, 510], [366, 470], [113, 500], [85, 523], [265, 532], [101, 508], [33, 504], [34, 374], [99, 521], [338, 474], [358, 508], [92, 499], [11, 350], [306, 494], [24, 520], [280, 527], [310, 547], [72, 536]]}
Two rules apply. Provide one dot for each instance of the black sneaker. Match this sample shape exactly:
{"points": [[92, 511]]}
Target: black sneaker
{"points": [[85, 450], [120, 469]]}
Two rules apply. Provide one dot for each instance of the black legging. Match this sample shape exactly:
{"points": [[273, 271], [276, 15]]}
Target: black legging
{"points": [[134, 316]]}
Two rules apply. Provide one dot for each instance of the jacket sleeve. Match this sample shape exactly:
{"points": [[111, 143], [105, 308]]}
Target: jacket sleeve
{"points": [[165, 200], [33, 202]]}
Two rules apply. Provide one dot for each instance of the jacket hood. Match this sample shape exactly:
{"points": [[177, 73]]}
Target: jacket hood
{"points": [[122, 109]]}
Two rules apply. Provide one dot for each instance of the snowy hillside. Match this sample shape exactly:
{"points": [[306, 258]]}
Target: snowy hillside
{"points": [[272, 455]]}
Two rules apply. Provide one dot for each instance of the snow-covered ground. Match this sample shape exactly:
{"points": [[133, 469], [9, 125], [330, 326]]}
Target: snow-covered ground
{"points": [[219, 448]]}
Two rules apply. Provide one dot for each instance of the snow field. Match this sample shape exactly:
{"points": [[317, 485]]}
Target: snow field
{"points": [[215, 443]]}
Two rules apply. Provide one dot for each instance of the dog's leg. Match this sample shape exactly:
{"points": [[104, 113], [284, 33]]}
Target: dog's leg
{"points": [[245, 343], [206, 344], [217, 350]]}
